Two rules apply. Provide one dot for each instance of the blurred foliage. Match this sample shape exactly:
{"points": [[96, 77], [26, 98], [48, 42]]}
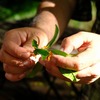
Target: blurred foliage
{"points": [[85, 25], [82, 25], [14, 10]]}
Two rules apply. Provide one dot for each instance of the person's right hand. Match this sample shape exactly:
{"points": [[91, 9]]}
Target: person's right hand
{"points": [[16, 50]]}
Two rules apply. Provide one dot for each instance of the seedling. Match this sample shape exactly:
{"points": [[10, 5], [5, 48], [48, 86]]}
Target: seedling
{"points": [[45, 53]]}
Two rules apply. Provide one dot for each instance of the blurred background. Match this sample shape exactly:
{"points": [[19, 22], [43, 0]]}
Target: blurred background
{"points": [[19, 13]]}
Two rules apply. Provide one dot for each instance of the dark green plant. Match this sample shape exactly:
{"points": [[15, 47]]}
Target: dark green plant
{"points": [[17, 10]]}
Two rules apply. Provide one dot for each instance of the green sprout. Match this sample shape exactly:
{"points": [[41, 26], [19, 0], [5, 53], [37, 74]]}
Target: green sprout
{"points": [[46, 53]]}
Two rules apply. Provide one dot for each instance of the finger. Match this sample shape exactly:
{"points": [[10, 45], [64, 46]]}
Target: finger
{"points": [[13, 42], [15, 50], [81, 42], [93, 71], [14, 77], [79, 61], [90, 74], [87, 80], [12, 61], [28, 43], [14, 69], [65, 62], [8, 59], [75, 41]]}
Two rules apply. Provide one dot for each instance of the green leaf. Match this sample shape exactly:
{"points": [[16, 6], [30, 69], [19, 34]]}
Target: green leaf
{"points": [[44, 57], [54, 37], [62, 53], [34, 44], [43, 52], [38, 67], [58, 52], [70, 74]]}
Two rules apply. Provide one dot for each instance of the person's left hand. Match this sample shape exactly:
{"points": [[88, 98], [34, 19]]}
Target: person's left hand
{"points": [[86, 62]]}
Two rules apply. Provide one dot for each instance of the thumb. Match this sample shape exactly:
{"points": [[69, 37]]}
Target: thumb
{"points": [[28, 45], [42, 41], [76, 41]]}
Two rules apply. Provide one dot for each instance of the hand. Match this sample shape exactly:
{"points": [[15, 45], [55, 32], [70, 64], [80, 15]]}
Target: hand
{"points": [[86, 62], [16, 50]]}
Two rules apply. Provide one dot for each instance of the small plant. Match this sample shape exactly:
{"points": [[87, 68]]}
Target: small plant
{"points": [[45, 53]]}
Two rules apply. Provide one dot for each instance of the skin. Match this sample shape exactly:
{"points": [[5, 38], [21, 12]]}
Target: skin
{"points": [[15, 52], [86, 62], [17, 48]]}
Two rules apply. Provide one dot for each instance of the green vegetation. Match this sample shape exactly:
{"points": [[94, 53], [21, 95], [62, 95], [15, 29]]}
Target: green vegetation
{"points": [[84, 25], [46, 53], [15, 10]]}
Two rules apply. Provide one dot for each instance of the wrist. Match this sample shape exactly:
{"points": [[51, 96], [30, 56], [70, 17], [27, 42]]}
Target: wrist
{"points": [[46, 22]]}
